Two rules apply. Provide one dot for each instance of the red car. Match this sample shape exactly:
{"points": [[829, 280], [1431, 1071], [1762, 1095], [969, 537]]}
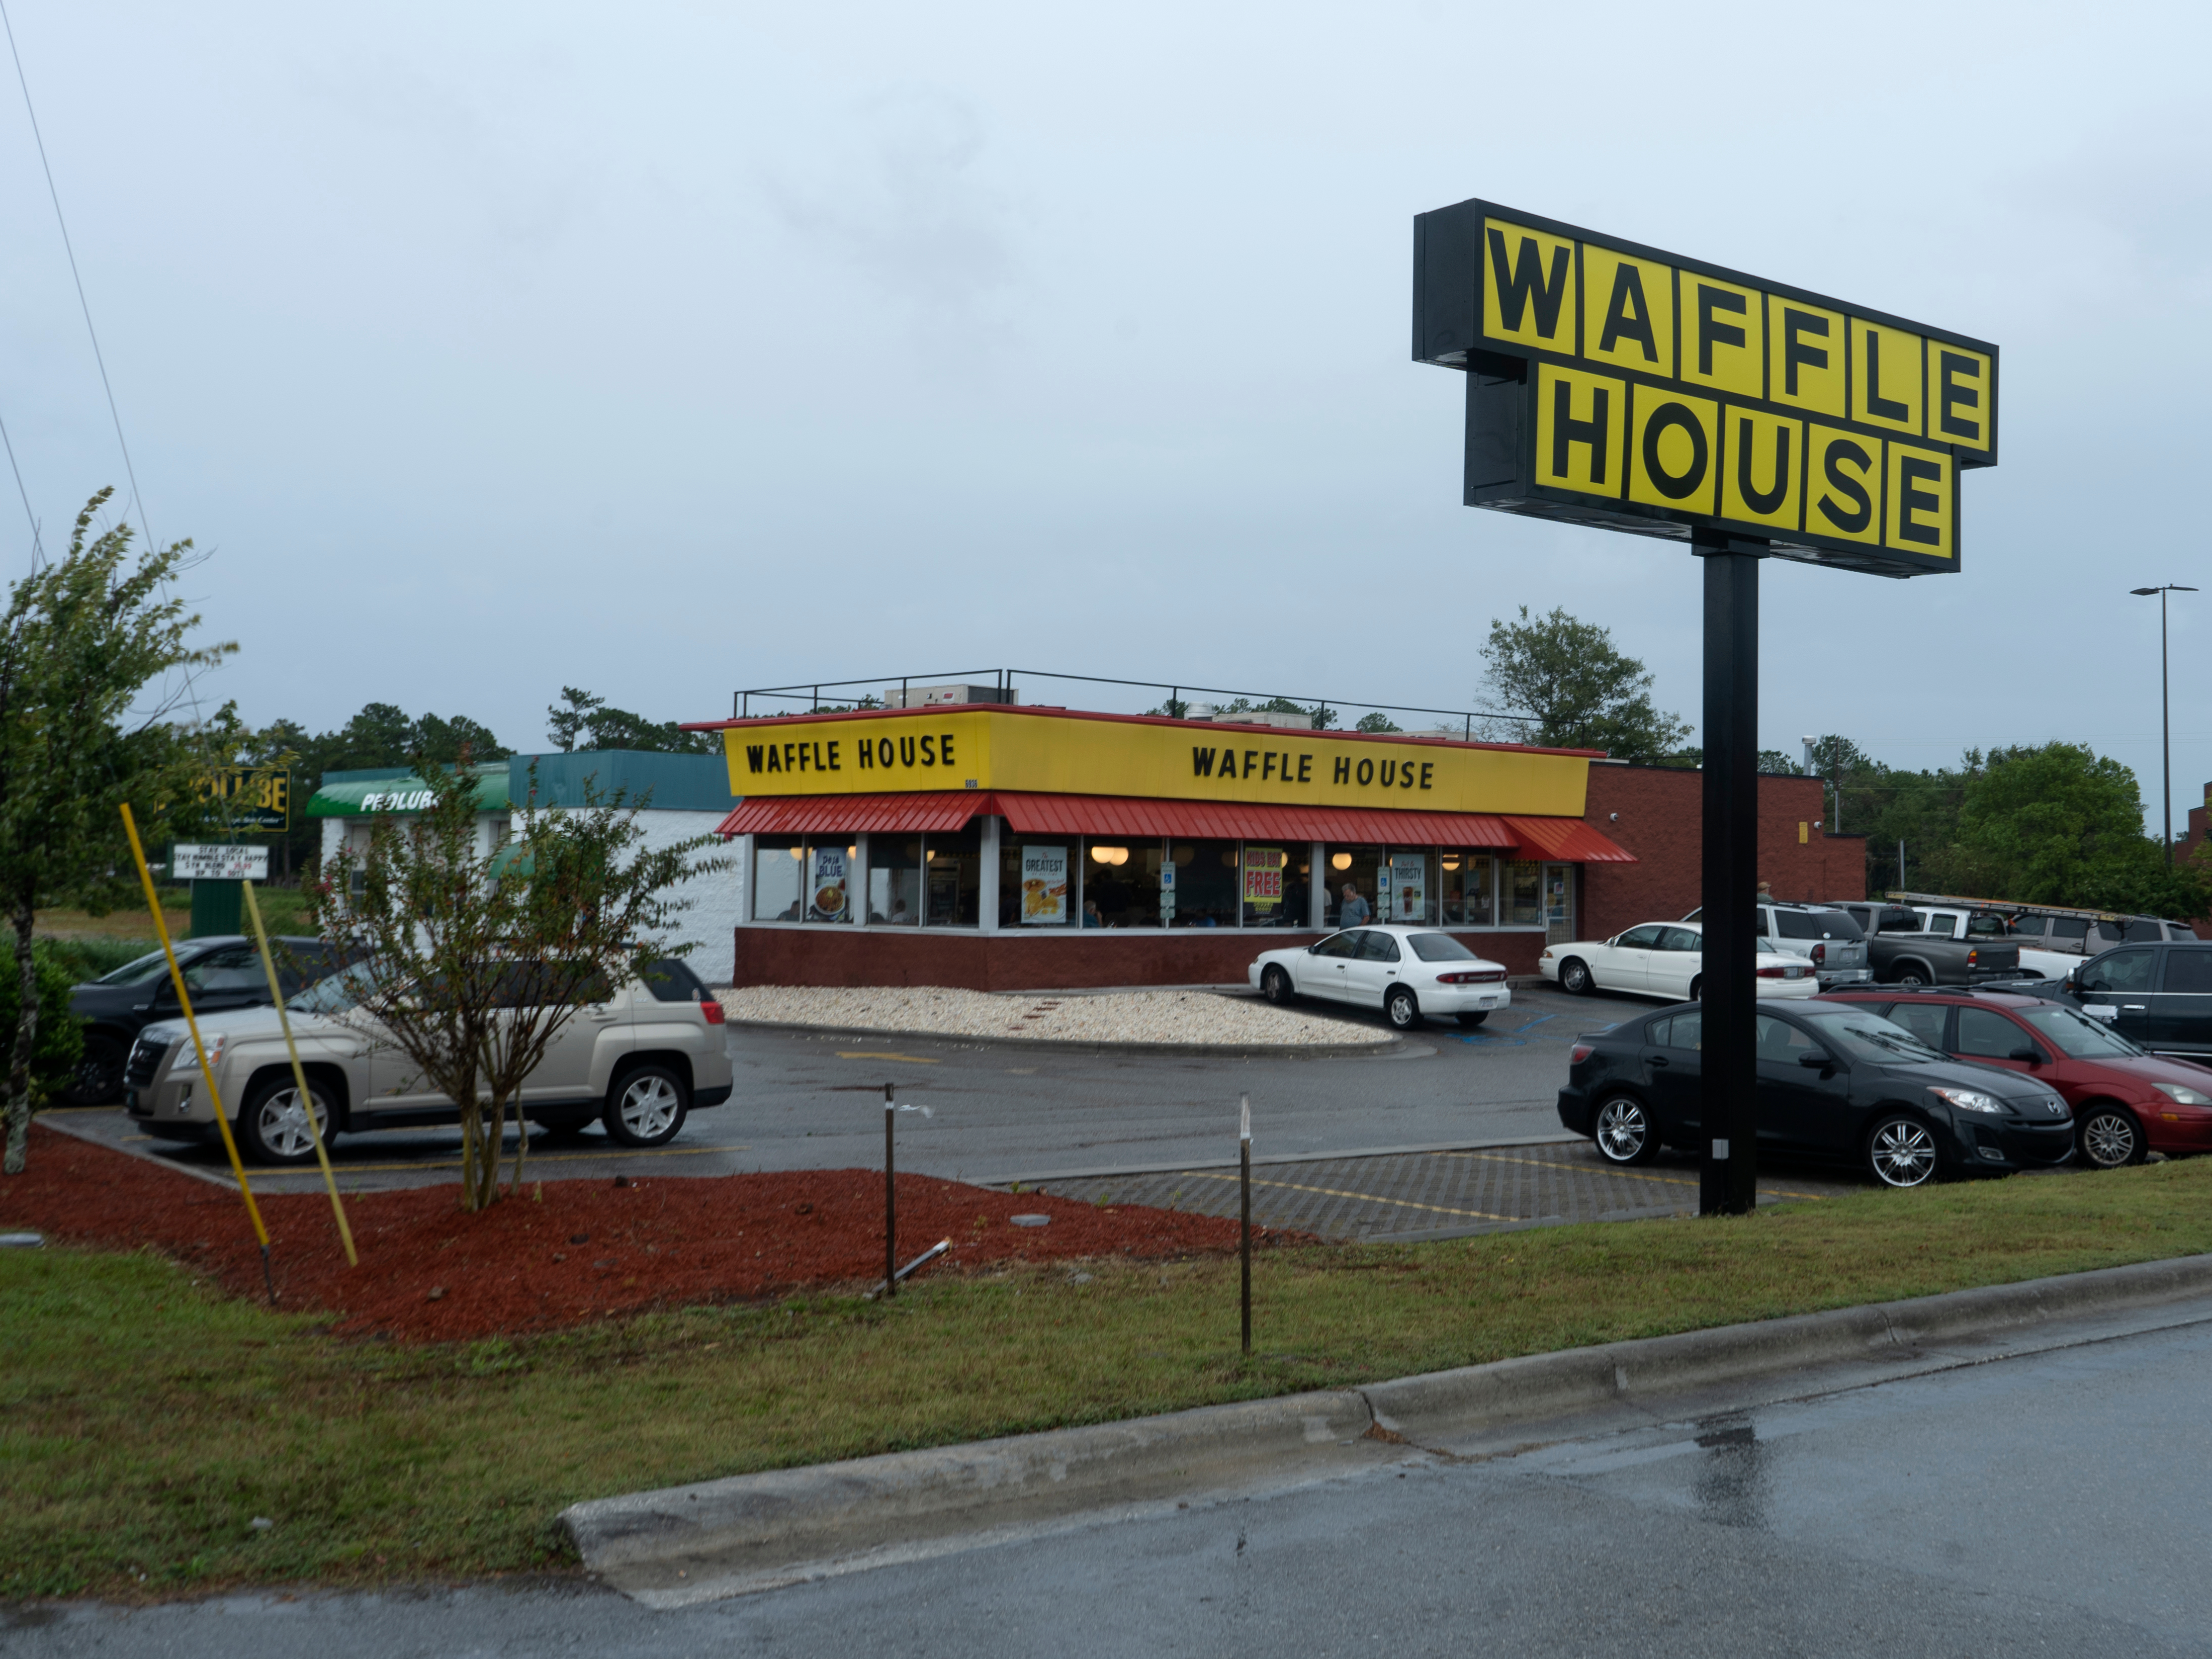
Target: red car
{"points": [[2126, 1102]]}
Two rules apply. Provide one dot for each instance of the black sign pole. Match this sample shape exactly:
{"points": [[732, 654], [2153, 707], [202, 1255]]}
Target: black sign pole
{"points": [[1728, 1180]]}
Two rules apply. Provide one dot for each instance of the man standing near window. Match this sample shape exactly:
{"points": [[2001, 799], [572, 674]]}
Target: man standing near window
{"points": [[1355, 912]]}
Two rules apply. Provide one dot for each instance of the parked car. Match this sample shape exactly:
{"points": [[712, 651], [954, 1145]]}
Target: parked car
{"points": [[638, 1062], [2157, 996], [1987, 927], [1824, 934], [1407, 972], [2126, 1102], [1834, 1081], [1902, 951], [220, 973], [1664, 960], [2055, 927]]}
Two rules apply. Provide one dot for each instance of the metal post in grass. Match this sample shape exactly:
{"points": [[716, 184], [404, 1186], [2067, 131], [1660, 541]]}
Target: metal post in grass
{"points": [[891, 1200], [1244, 1184]]}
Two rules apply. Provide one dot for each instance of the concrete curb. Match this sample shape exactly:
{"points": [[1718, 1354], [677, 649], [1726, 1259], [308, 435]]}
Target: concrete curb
{"points": [[1382, 1044], [686, 1544]]}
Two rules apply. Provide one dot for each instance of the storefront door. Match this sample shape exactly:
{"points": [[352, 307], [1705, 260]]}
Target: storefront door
{"points": [[1559, 903]]}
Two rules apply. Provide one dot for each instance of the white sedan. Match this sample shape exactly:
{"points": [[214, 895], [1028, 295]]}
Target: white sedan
{"points": [[1406, 972], [1664, 960]]}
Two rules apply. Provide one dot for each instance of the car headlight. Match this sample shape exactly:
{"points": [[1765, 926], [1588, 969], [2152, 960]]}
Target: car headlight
{"points": [[1967, 1100], [1546, 957], [2182, 1095], [186, 1060]]}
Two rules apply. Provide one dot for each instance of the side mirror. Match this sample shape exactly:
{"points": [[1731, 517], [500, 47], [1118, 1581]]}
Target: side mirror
{"points": [[2028, 1052], [1313, 948], [1815, 1059]]}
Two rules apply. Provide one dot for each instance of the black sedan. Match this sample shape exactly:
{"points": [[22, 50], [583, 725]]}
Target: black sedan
{"points": [[219, 973], [1834, 1081]]}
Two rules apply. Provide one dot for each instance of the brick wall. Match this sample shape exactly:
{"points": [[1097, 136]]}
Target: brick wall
{"points": [[1657, 812]]}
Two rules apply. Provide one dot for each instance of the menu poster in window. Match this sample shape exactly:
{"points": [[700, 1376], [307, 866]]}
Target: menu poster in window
{"points": [[828, 901], [1044, 886], [1555, 894], [1408, 886], [1263, 877], [1167, 890]]}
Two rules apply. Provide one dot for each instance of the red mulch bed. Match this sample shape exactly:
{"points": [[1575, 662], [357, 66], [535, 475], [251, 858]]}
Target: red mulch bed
{"points": [[590, 1248]]}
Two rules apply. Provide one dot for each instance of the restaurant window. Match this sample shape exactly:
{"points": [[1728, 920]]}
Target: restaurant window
{"points": [[1354, 867], [895, 880], [1413, 887], [1120, 882], [1273, 888], [778, 863], [1522, 901], [952, 869], [1037, 881], [1559, 903], [1465, 884], [1205, 885], [828, 870]]}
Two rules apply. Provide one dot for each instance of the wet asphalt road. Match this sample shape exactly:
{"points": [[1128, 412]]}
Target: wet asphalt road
{"points": [[999, 1112], [2051, 1503]]}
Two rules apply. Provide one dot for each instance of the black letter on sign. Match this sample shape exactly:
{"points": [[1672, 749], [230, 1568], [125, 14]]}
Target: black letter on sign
{"points": [[1671, 487], [1529, 281], [1201, 762], [868, 753], [1956, 396], [1366, 772], [906, 751], [753, 756], [1794, 322], [1343, 770], [1567, 432], [1628, 314], [1711, 333], [929, 751], [1762, 500], [1839, 451], [944, 748], [1911, 500], [1888, 408]]}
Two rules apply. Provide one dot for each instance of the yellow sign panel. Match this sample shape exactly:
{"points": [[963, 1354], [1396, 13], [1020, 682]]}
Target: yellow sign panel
{"points": [[1805, 356], [1674, 453], [1578, 425], [1723, 336], [1762, 480], [1842, 489], [1884, 376], [1529, 286], [1628, 318], [1959, 395], [984, 748], [1917, 517]]}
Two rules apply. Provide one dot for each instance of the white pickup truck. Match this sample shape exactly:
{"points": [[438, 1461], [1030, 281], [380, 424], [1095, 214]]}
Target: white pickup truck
{"points": [[1993, 927]]}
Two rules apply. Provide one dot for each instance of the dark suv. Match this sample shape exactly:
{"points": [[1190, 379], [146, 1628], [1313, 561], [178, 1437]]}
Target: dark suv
{"points": [[2158, 996]]}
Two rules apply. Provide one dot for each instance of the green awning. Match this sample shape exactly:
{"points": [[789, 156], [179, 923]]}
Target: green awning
{"points": [[353, 797]]}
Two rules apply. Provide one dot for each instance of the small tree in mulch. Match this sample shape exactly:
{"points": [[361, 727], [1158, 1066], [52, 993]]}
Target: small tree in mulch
{"points": [[82, 642], [469, 954]]}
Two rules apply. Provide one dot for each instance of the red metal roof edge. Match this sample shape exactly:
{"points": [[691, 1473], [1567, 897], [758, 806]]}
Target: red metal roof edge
{"points": [[1432, 739]]}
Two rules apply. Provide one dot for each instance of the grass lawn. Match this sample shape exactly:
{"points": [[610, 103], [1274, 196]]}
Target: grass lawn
{"points": [[101, 943], [145, 1422]]}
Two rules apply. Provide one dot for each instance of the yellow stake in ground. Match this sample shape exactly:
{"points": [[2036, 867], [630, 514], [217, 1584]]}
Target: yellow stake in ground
{"points": [[299, 1074], [207, 1074]]}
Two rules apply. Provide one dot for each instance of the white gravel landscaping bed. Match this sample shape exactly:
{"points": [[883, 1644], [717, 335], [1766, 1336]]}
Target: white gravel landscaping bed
{"points": [[1201, 1018]]}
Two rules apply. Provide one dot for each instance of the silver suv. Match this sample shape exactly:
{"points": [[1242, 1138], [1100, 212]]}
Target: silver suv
{"points": [[1821, 934], [638, 1062]]}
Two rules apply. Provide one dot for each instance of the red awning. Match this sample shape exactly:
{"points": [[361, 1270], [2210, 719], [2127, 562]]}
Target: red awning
{"points": [[1115, 815], [940, 809], [1570, 839], [945, 810]]}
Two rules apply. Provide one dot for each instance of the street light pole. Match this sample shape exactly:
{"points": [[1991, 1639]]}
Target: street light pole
{"points": [[2165, 712]]}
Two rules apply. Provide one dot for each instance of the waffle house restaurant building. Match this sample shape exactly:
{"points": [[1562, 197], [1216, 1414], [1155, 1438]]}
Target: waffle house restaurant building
{"points": [[1005, 849]]}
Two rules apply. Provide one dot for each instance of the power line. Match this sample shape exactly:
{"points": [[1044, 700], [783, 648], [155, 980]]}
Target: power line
{"points": [[37, 551], [137, 499]]}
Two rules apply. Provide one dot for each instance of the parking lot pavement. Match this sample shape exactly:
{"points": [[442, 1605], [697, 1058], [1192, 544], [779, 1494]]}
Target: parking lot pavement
{"points": [[808, 1101], [1441, 1194]]}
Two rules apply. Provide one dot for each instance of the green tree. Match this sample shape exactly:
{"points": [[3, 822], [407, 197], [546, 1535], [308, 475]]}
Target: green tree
{"points": [[1777, 764], [471, 960], [1377, 722], [1583, 692], [81, 642], [2058, 824], [587, 722], [58, 1046]]}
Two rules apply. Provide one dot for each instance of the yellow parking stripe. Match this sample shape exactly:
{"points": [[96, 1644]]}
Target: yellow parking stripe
{"points": [[1625, 1175], [538, 1157], [1365, 1198], [871, 1053]]}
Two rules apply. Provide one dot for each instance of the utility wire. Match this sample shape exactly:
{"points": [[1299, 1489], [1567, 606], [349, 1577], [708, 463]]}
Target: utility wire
{"points": [[137, 500], [37, 548]]}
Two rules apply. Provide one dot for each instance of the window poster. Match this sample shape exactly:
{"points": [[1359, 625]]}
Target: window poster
{"points": [[1263, 877], [1044, 886], [1408, 886], [828, 903]]}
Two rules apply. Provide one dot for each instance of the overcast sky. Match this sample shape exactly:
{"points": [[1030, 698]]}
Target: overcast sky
{"points": [[664, 349]]}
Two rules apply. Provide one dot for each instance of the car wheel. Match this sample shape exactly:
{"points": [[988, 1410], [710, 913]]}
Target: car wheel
{"points": [[99, 1071], [1575, 977], [1698, 988], [1911, 974], [1901, 1152], [1275, 986], [1403, 1011], [647, 1107], [1476, 1019], [2109, 1136], [1624, 1131], [274, 1127]]}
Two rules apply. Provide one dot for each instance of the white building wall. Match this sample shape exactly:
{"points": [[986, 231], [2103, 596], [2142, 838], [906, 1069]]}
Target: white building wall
{"points": [[709, 926]]}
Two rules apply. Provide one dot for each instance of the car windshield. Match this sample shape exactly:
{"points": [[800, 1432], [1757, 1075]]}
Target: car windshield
{"points": [[1439, 947], [152, 965], [2076, 1035], [1869, 1037], [335, 994]]}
